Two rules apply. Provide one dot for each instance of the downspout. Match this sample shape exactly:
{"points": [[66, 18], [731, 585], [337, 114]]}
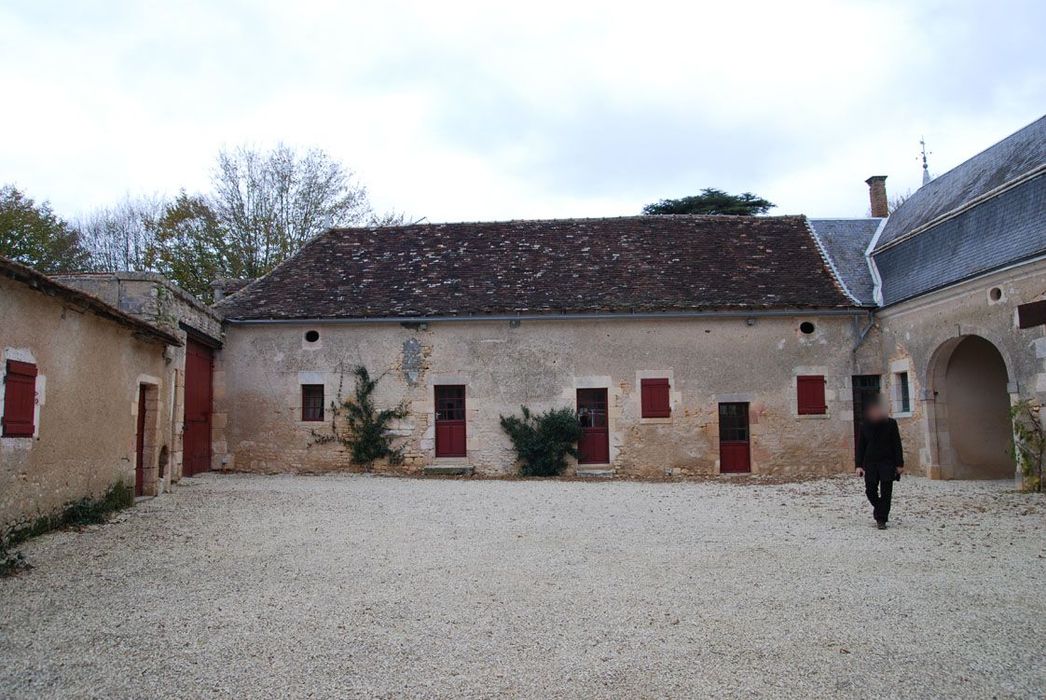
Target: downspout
{"points": [[862, 334], [877, 284], [877, 280]]}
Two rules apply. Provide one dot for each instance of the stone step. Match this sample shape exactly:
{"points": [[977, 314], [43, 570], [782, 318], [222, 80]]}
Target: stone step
{"points": [[447, 469], [601, 473]]}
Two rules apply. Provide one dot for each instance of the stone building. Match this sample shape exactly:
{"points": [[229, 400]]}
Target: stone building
{"points": [[688, 345], [188, 374], [82, 399], [959, 276]]}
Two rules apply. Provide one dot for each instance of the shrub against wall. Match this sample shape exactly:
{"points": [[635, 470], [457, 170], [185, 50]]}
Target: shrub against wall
{"points": [[361, 427], [1030, 442], [542, 442]]}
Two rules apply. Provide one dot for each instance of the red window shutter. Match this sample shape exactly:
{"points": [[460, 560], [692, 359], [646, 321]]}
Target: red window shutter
{"points": [[811, 395], [654, 398], [19, 399]]}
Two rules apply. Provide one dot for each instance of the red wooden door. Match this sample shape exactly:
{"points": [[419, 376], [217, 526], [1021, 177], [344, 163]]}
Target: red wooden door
{"points": [[594, 445], [734, 452], [139, 462], [450, 421], [196, 445]]}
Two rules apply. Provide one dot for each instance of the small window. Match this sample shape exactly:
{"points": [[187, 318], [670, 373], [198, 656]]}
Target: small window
{"points": [[654, 396], [810, 390], [19, 399], [904, 395], [312, 336], [806, 327], [312, 402]]}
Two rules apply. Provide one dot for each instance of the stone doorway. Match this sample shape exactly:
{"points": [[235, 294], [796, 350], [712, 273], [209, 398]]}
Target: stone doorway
{"points": [[146, 418], [971, 411]]}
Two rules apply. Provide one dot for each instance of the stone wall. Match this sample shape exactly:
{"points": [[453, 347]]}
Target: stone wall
{"points": [[541, 364], [90, 370], [922, 336], [154, 299]]}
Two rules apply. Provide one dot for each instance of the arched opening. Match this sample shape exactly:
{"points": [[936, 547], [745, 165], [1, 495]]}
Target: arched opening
{"points": [[972, 410]]}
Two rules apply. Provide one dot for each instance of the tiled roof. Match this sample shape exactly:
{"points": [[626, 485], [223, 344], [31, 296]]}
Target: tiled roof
{"points": [[1016, 155], [1003, 230], [45, 285], [845, 242], [637, 264]]}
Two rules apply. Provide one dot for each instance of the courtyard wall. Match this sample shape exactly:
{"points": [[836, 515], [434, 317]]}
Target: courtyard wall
{"points": [[154, 299], [86, 406], [541, 364], [918, 337]]}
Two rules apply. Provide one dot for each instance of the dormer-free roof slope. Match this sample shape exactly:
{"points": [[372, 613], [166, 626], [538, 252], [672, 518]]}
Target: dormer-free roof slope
{"points": [[636, 264], [1019, 154]]}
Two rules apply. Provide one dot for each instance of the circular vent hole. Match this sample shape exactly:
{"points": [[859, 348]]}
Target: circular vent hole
{"points": [[995, 294], [806, 327], [312, 336]]}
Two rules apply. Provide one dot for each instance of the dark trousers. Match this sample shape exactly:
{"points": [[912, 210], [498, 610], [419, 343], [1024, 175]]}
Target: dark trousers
{"points": [[878, 485]]}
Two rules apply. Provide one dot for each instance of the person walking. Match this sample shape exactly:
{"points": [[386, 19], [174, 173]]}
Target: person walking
{"points": [[880, 458]]}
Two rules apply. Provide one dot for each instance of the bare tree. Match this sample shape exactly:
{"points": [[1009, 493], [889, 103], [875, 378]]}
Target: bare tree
{"points": [[393, 218], [121, 237], [897, 200], [271, 203]]}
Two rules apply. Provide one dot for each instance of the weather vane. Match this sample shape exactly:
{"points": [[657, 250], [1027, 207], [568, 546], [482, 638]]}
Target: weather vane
{"points": [[926, 167]]}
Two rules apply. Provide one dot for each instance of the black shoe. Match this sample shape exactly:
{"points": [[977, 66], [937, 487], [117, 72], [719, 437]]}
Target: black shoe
{"points": [[881, 524]]}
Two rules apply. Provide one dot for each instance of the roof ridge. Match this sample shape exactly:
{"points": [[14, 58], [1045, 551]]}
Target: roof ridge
{"points": [[1006, 163], [958, 166], [1028, 176], [564, 219]]}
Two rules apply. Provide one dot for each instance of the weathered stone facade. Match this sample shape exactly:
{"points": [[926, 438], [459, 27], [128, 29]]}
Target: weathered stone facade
{"points": [[155, 300], [958, 423], [541, 364], [91, 369]]}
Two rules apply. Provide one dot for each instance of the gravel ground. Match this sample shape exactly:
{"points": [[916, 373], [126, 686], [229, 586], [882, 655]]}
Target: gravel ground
{"points": [[347, 586]]}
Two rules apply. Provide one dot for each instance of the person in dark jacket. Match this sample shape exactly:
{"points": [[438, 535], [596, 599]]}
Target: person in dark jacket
{"points": [[880, 458]]}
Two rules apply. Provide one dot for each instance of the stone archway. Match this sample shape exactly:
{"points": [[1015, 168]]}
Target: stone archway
{"points": [[971, 410]]}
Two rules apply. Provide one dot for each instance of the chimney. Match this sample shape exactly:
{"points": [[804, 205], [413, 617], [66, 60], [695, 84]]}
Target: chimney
{"points": [[218, 287], [225, 286], [877, 195]]}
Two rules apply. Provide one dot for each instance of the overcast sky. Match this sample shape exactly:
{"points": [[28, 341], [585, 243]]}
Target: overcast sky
{"points": [[490, 110]]}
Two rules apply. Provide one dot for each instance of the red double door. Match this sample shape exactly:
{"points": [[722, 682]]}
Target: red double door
{"points": [[594, 445], [450, 421], [196, 441], [139, 463], [734, 448]]}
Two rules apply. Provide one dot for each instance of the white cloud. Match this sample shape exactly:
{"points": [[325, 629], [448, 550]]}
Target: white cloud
{"points": [[475, 110]]}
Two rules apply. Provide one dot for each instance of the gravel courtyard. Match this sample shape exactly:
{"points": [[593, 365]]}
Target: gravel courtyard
{"points": [[346, 586]]}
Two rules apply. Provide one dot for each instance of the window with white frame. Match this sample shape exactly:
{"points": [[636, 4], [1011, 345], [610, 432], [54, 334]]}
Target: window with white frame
{"points": [[902, 393]]}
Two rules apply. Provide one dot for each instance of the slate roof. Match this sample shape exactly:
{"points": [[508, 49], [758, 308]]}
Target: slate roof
{"points": [[74, 297], [1016, 155], [845, 242], [1003, 230], [637, 264]]}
